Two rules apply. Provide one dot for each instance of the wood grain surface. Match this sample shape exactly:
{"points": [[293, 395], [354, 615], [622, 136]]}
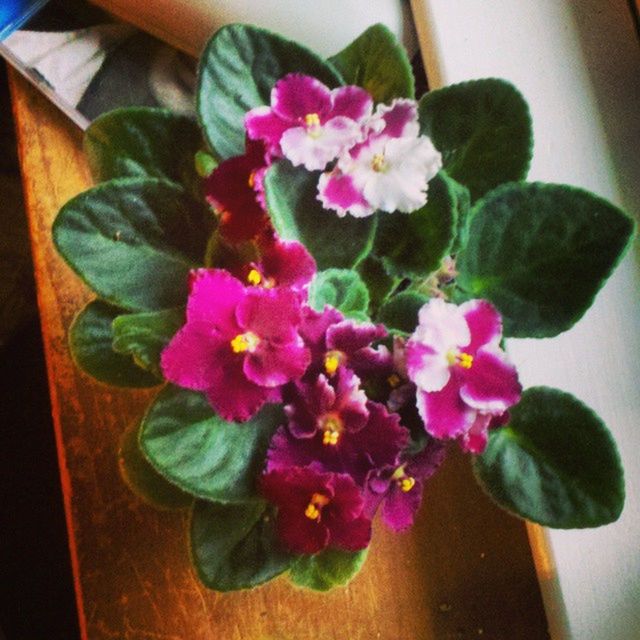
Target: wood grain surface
{"points": [[464, 571]]}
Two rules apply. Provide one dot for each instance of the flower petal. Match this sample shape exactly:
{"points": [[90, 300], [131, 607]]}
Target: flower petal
{"points": [[400, 118], [272, 314], [213, 298], [338, 191], [427, 368], [444, 413], [272, 365], [484, 322], [491, 384], [288, 263], [351, 101], [297, 95], [262, 124], [400, 507]]}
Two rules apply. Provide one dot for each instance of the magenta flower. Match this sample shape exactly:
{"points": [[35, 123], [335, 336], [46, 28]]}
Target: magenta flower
{"points": [[463, 377], [398, 488], [388, 171], [307, 122], [330, 408], [334, 448], [335, 342], [239, 345], [283, 264], [234, 190], [317, 510]]}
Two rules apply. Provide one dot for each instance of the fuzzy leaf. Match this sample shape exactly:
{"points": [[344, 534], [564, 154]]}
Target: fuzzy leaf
{"points": [[555, 463], [483, 130], [90, 339], [203, 454], [297, 214], [462, 205], [134, 240], [234, 546], [144, 335], [238, 69], [326, 570], [143, 479], [143, 142], [413, 245], [342, 289], [400, 313], [379, 283], [540, 253], [378, 63]]}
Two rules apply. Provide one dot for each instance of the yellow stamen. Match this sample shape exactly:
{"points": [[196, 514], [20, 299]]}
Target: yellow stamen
{"points": [[466, 360], [407, 483], [379, 163], [317, 500], [312, 120], [254, 277], [393, 380], [332, 360], [252, 179], [245, 342], [332, 426]]}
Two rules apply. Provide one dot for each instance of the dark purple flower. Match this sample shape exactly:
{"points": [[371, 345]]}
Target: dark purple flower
{"points": [[234, 190], [356, 453], [335, 342], [330, 408], [399, 488], [283, 263], [239, 345], [317, 510]]}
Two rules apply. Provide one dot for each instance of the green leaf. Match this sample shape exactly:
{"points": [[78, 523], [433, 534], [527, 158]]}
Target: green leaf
{"points": [[143, 479], [328, 569], [378, 282], [297, 214], [134, 240], [414, 244], [540, 253], [143, 142], [400, 313], [202, 453], [483, 130], [342, 289], [144, 335], [555, 463], [462, 205], [234, 546], [90, 338], [378, 63], [238, 69]]}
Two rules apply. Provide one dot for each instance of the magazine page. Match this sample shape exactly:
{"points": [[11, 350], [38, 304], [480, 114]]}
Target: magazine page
{"points": [[87, 63]]}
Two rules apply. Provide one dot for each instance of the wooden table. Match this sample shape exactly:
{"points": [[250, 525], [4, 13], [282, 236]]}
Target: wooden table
{"points": [[464, 571]]}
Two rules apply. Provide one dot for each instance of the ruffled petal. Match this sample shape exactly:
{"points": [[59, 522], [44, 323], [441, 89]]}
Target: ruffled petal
{"points": [[296, 96], [475, 440], [348, 336], [351, 101], [444, 413], [262, 124], [288, 264], [491, 384], [427, 368], [214, 296], [484, 322], [400, 507], [272, 365], [272, 314], [338, 191], [193, 356], [400, 118]]}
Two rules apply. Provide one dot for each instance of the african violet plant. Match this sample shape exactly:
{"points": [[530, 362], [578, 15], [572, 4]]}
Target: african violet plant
{"points": [[321, 272]]}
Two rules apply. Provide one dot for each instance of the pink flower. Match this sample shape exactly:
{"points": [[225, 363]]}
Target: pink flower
{"points": [[307, 122], [317, 510], [239, 344], [390, 170], [463, 378]]}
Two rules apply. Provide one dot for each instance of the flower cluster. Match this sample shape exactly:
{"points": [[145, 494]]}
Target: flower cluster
{"points": [[370, 159], [339, 455], [251, 336]]}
